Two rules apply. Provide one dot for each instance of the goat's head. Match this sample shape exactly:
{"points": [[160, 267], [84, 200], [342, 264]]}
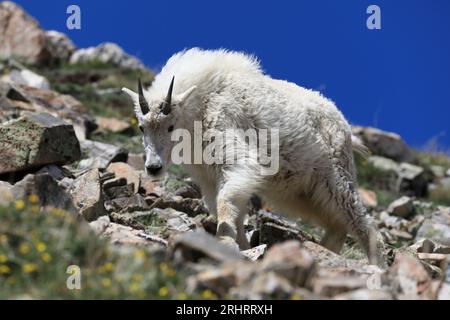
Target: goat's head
{"points": [[158, 116]]}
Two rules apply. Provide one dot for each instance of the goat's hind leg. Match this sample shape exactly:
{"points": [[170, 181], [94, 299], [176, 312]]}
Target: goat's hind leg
{"points": [[334, 238]]}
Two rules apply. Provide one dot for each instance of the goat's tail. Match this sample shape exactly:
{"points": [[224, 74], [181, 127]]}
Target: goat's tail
{"points": [[359, 147]]}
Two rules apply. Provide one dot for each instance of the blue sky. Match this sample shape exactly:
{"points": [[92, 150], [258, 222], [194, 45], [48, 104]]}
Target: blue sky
{"points": [[396, 78]]}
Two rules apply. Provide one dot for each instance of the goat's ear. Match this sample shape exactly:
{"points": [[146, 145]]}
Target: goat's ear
{"points": [[182, 97], [135, 97]]}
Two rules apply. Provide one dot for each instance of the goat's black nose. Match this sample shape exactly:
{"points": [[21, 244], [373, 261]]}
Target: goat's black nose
{"points": [[153, 168]]}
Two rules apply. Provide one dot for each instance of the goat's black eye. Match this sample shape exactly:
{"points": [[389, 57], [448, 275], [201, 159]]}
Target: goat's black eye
{"points": [[170, 129], [141, 128]]}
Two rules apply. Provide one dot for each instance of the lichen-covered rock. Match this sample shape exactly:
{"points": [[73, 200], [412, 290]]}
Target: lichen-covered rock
{"points": [[36, 140], [16, 99]]}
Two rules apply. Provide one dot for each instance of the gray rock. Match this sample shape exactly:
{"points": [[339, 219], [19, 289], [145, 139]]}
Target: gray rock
{"points": [[59, 45], [383, 143], [412, 179], [87, 195], [437, 228], [100, 225], [120, 191], [423, 245], [35, 140], [407, 278], [28, 78], [6, 195], [51, 184], [271, 233], [126, 204], [99, 155], [21, 36], [364, 294], [438, 171], [16, 99], [192, 246], [402, 207], [188, 191], [290, 261], [114, 182], [192, 207], [107, 53], [333, 284], [255, 253]]}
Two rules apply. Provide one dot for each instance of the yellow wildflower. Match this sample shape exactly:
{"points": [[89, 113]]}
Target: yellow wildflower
{"points": [[134, 287], [3, 258], [19, 204], [108, 266], [163, 267], [24, 248], [40, 246], [163, 292], [296, 296], [32, 198], [182, 296], [29, 267], [46, 257], [4, 269], [208, 294], [139, 254], [106, 282]]}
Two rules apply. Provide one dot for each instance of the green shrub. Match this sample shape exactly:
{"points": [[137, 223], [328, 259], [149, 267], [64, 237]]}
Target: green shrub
{"points": [[37, 246]]}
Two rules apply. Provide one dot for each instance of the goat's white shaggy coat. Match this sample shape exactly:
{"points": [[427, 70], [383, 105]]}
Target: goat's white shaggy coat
{"points": [[316, 179]]}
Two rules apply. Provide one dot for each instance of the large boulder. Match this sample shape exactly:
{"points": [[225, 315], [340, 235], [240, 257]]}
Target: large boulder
{"points": [[35, 140], [28, 78], [21, 36], [383, 143], [59, 45], [109, 53], [51, 184], [16, 99]]}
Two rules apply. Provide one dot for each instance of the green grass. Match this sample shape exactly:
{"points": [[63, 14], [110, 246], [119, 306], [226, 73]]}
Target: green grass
{"points": [[440, 196], [37, 247], [434, 158], [83, 80]]}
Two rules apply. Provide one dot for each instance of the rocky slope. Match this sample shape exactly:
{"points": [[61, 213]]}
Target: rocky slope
{"points": [[73, 192]]}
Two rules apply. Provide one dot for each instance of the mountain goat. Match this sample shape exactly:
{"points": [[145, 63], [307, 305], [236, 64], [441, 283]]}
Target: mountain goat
{"points": [[222, 90]]}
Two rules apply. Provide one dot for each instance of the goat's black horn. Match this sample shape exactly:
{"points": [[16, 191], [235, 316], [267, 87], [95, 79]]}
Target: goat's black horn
{"points": [[142, 102], [168, 102]]}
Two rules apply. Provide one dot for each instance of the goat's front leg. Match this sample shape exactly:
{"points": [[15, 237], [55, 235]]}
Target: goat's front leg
{"points": [[231, 210]]}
